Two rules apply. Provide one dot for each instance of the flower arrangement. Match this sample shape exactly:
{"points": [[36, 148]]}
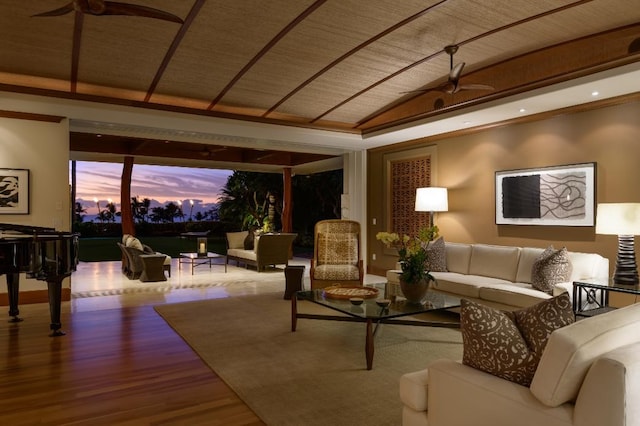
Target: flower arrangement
{"points": [[412, 252]]}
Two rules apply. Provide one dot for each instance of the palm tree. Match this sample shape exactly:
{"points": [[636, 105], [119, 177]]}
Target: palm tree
{"points": [[140, 209], [78, 212]]}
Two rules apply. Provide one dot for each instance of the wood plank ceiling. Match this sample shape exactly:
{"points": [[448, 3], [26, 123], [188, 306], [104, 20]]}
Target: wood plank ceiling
{"points": [[340, 65]]}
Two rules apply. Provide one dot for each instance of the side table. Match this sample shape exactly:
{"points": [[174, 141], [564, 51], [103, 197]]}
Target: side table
{"points": [[592, 298], [152, 267]]}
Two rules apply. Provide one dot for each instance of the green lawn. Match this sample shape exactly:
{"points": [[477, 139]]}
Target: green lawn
{"points": [[100, 249]]}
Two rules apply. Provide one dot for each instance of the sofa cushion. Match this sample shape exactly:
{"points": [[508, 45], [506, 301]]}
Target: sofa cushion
{"points": [[572, 349], [458, 257], [528, 255], [242, 254], [337, 249], [510, 344], [436, 256], [552, 267], [463, 285], [494, 261], [235, 240], [520, 295]]}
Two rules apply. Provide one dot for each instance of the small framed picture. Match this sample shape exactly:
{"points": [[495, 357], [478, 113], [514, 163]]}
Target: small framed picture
{"points": [[14, 191]]}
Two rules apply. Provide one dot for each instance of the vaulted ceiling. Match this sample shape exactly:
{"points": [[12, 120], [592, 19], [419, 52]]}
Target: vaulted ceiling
{"points": [[338, 65]]}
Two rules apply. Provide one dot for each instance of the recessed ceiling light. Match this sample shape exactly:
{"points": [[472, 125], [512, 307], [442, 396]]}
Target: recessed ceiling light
{"points": [[466, 123], [595, 93], [98, 136], [523, 110]]}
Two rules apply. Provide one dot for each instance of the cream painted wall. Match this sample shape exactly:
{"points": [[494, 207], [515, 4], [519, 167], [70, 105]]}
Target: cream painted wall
{"points": [[43, 148], [466, 165]]}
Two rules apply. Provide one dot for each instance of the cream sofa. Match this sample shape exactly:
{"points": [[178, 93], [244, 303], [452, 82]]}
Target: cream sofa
{"points": [[589, 375], [500, 276], [268, 249]]}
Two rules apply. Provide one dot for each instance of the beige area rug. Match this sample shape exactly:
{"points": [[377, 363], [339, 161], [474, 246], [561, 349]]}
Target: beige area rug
{"points": [[314, 376]]}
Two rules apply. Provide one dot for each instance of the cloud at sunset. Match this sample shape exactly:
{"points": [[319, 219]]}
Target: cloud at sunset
{"points": [[159, 183]]}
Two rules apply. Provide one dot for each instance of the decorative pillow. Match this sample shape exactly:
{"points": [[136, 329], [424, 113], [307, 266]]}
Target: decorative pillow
{"points": [[436, 256], [509, 344], [537, 322], [337, 249], [134, 243], [552, 267], [249, 241]]}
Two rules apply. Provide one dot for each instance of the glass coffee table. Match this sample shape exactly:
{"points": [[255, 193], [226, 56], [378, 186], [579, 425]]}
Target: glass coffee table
{"points": [[196, 259], [371, 313]]}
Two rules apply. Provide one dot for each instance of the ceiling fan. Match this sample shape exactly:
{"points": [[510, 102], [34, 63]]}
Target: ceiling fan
{"points": [[452, 85], [102, 7]]}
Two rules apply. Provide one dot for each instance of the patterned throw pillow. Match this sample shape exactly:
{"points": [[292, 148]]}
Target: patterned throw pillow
{"points": [[552, 267], [509, 344], [437, 256], [337, 249], [537, 322]]}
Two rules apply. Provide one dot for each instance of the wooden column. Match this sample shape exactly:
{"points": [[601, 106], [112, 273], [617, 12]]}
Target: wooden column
{"points": [[128, 226], [287, 207]]}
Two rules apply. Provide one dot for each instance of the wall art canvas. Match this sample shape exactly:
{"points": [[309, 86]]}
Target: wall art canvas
{"points": [[555, 196], [14, 191]]}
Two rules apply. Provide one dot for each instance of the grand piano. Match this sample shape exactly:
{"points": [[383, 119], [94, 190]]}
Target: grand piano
{"points": [[43, 254]]}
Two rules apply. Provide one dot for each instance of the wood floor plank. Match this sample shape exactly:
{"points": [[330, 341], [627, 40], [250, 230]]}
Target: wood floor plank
{"points": [[114, 367]]}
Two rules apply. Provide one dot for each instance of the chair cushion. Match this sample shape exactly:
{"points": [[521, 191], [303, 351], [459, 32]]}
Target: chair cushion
{"points": [[571, 351], [509, 344], [336, 272], [337, 249], [552, 267], [436, 256]]}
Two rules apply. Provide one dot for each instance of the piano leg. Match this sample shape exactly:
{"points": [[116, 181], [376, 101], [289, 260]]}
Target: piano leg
{"points": [[55, 302], [13, 287]]}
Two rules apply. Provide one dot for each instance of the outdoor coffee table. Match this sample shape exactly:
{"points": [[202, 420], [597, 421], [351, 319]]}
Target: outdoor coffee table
{"points": [[369, 312], [196, 259]]}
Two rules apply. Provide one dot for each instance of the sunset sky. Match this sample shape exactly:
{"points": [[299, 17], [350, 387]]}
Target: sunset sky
{"points": [[159, 183]]}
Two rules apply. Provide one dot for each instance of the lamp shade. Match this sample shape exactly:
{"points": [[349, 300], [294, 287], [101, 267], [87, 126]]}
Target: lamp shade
{"points": [[618, 219], [431, 199]]}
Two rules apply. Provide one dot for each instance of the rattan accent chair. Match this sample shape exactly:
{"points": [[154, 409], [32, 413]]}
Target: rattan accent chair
{"points": [[336, 254]]}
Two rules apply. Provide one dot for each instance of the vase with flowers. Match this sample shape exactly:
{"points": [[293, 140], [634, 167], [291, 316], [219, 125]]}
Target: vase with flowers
{"points": [[413, 254]]}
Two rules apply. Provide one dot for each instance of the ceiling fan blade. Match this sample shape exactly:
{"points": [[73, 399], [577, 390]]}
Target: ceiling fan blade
{"points": [[454, 74], [444, 87], [476, 87], [116, 8], [432, 89], [68, 8]]}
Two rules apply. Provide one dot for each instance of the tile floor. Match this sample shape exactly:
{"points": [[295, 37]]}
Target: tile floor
{"points": [[101, 285]]}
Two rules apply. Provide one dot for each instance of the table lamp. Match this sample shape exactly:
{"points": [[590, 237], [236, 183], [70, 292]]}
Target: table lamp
{"points": [[431, 199], [623, 220]]}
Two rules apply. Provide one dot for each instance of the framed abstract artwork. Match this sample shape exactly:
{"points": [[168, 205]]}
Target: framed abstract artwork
{"points": [[552, 196], [14, 191]]}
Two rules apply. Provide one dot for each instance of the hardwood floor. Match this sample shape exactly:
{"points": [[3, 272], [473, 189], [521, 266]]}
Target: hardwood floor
{"points": [[120, 363], [114, 367]]}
